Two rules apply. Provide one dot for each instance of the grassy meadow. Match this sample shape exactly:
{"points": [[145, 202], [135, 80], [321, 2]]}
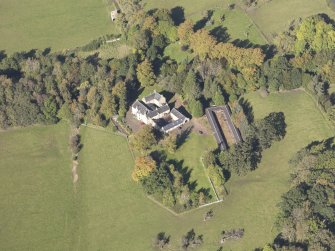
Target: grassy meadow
{"points": [[189, 155], [276, 15], [107, 211], [37, 206], [116, 215], [61, 24]]}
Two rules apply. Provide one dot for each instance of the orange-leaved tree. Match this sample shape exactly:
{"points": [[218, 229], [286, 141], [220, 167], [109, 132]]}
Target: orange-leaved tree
{"points": [[144, 165]]}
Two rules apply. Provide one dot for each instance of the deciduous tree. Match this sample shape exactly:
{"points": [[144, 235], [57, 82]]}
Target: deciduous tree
{"points": [[145, 74], [144, 165]]}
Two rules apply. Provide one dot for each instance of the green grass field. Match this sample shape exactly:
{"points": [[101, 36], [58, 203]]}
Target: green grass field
{"points": [[237, 22], [276, 15], [117, 215], [38, 203], [36, 195], [190, 152], [61, 24], [331, 89]]}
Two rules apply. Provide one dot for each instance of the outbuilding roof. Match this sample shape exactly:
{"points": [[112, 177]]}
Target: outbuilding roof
{"points": [[173, 124], [177, 113]]}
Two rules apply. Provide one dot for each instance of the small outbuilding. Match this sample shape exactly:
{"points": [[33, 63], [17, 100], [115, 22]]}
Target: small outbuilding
{"points": [[114, 14]]}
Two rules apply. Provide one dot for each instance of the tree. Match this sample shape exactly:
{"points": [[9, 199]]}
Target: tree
{"points": [[209, 215], [161, 241], [168, 198], [145, 74], [218, 97], [120, 93], [191, 88], [75, 143], [108, 106], [144, 139], [170, 142], [185, 30], [306, 215], [271, 128], [202, 43], [314, 34], [158, 182], [196, 108], [242, 157], [191, 240], [144, 165], [50, 110]]}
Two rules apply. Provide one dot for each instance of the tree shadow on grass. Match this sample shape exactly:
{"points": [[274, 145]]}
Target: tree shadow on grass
{"points": [[183, 136], [247, 109], [268, 50], [184, 171], [206, 192], [202, 22], [332, 98], [3, 55], [178, 15], [220, 33]]}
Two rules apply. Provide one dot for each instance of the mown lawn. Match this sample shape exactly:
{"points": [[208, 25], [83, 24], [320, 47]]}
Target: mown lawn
{"points": [[188, 155], [61, 24], [116, 215], [276, 15], [37, 205]]}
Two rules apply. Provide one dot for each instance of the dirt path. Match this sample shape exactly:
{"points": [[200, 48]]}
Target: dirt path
{"points": [[75, 163]]}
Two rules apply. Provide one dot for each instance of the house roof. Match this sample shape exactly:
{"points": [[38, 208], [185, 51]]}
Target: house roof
{"points": [[152, 96], [160, 110], [140, 107]]}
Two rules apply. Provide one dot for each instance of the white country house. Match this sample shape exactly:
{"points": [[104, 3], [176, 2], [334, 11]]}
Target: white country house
{"points": [[153, 108]]}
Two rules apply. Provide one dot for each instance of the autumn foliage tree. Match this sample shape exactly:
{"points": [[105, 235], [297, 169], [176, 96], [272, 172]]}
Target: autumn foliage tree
{"points": [[144, 139], [202, 43], [185, 30], [145, 73], [144, 165]]}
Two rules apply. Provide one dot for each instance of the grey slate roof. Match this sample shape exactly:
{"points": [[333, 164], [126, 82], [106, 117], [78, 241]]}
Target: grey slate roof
{"points": [[152, 96], [217, 129], [177, 113], [162, 109], [173, 124], [140, 107]]}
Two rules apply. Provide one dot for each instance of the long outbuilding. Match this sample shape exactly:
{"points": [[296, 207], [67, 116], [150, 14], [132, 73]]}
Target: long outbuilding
{"points": [[218, 132]]}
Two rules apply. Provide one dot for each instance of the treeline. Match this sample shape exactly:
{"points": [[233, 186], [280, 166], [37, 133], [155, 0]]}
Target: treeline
{"points": [[39, 87], [53, 86], [306, 220], [306, 52]]}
